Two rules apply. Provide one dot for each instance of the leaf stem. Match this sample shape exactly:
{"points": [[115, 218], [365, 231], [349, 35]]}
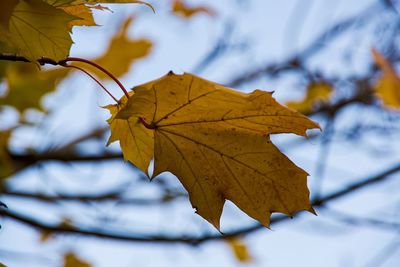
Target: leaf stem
{"points": [[68, 59], [146, 124], [91, 76]]}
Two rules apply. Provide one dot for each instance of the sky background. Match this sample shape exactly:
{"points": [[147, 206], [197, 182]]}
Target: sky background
{"points": [[271, 31]]}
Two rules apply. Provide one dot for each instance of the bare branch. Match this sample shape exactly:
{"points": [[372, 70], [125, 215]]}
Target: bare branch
{"points": [[13, 57], [29, 159], [193, 240], [111, 196]]}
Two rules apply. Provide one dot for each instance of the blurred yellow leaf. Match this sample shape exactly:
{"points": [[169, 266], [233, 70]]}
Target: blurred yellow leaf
{"points": [[2, 265], [122, 52], [316, 93], [26, 85], [182, 9], [71, 260], [6, 167], [45, 235], [216, 141], [37, 29], [387, 86], [240, 250]]}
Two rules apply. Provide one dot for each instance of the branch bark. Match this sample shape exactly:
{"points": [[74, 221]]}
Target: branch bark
{"points": [[193, 240], [113, 196], [13, 57]]}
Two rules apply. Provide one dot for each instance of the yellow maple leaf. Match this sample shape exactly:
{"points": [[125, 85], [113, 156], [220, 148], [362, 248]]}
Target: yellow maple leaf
{"points": [[6, 11], [317, 92], [136, 140], [37, 29], [26, 85], [387, 86], [122, 52], [79, 10], [216, 141], [82, 12], [83, 9], [71, 260]]}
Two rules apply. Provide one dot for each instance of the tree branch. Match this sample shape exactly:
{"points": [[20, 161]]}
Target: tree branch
{"points": [[29, 159], [193, 240], [13, 57], [113, 196]]}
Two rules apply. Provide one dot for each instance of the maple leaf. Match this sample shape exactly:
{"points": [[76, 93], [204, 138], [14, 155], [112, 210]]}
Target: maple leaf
{"points": [[317, 93], [387, 86], [6, 12], [26, 85], [216, 141], [137, 142], [31, 34], [180, 8], [82, 12], [83, 9]]}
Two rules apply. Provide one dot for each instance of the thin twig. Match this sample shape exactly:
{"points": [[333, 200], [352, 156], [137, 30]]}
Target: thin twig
{"points": [[13, 57], [93, 78], [43, 61], [77, 59]]}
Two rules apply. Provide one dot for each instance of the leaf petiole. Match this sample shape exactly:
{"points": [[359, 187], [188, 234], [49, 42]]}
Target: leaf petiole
{"points": [[91, 76], [77, 59], [150, 126]]}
